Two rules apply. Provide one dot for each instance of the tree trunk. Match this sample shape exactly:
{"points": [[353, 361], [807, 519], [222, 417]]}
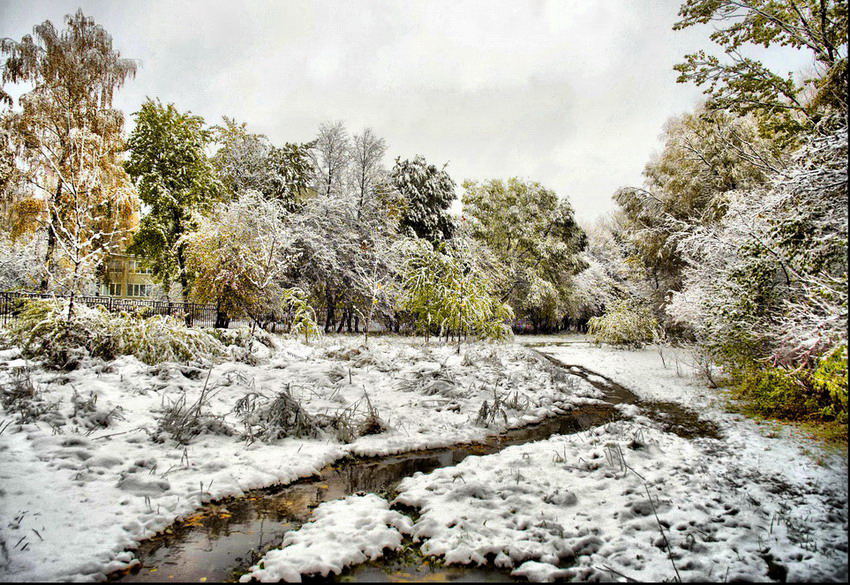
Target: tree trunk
{"points": [[48, 255], [329, 316], [184, 283]]}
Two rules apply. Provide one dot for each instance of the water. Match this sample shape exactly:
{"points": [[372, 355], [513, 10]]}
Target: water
{"points": [[223, 539]]}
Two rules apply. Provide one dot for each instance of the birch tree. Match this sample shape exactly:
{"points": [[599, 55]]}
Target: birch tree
{"points": [[67, 138], [331, 158], [367, 173]]}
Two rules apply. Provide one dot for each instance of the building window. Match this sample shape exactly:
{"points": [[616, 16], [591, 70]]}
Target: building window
{"points": [[136, 267], [139, 290], [115, 289], [116, 266]]}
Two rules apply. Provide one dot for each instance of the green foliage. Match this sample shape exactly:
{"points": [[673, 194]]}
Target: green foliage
{"points": [[445, 292], [174, 177], [830, 377], [626, 323], [303, 316], [740, 84], [534, 235], [816, 393], [43, 331], [428, 192]]}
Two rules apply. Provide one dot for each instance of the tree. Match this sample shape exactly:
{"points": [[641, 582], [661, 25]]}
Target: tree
{"points": [[174, 178], [367, 172], [609, 276], [447, 291], [289, 171], [238, 254], [427, 192], [241, 157], [339, 256], [536, 239], [765, 291], [706, 156], [331, 157], [68, 139], [247, 161], [741, 84]]}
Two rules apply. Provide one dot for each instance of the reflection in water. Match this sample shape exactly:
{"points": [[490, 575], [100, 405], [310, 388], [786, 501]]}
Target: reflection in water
{"points": [[224, 539]]}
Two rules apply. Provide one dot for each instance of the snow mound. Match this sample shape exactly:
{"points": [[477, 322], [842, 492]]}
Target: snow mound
{"points": [[342, 533], [597, 502]]}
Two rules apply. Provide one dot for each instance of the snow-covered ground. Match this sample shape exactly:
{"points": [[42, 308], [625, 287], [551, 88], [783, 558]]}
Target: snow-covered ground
{"points": [[581, 504], [92, 476], [627, 500], [342, 533]]}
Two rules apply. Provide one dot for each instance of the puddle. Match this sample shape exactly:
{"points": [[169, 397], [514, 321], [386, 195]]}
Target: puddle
{"points": [[231, 534], [223, 539]]}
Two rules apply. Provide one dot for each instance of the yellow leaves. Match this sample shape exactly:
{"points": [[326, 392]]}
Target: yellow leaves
{"points": [[199, 518], [27, 214]]}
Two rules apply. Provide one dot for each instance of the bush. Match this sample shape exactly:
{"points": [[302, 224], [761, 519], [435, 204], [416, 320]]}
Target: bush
{"points": [[43, 331], [625, 323], [818, 393]]}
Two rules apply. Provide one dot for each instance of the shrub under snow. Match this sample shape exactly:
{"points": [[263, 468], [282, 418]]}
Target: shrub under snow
{"points": [[624, 323], [43, 331]]}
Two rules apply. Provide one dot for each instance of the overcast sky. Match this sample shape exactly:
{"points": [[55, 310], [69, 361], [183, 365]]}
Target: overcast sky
{"points": [[572, 93]]}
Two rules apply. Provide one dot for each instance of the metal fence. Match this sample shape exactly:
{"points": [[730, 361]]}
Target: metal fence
{"points": [[193, 314]]}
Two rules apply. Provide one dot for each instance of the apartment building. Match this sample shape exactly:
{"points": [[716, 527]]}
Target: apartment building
{"points": [[127, 277]]}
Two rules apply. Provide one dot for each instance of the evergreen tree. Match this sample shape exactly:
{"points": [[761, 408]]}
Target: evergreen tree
{"points": [[427, 192]]}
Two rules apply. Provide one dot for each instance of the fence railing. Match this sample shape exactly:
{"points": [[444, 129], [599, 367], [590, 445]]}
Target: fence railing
{"points": [[193, 314]]}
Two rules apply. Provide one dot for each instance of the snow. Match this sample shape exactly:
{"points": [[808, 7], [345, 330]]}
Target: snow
{"points": [[76, 495], [642, 371], [342, 533], [582, 502]]}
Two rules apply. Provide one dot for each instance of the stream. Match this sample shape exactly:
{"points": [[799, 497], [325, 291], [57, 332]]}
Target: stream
{"points": [[223, 539]]}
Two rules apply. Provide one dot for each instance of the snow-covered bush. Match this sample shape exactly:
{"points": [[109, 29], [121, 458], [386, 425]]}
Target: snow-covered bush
{"points": [[21, 263], [43, 331], [181, 420], [22, 398], [162, 339], [765, 291], [447, 293], [625, 322], [270, 418]]}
